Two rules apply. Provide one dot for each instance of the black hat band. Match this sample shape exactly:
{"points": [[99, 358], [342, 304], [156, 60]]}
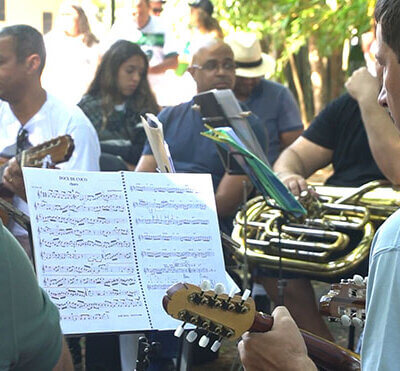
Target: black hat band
{"points": [[249, 64]]}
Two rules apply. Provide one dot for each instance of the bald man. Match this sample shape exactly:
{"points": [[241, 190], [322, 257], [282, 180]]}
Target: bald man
{"points": [[213, 67]]}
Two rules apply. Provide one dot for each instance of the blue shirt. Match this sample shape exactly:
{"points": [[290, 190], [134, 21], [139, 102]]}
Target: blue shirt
{"points": [[190, 151], [380, 348], [277, 110]]}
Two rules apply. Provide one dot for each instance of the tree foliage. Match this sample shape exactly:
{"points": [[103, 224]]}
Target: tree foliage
{"points": [[288, 24]]}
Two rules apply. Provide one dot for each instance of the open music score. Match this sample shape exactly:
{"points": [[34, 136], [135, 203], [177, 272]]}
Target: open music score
{"points": [[108, 245]]}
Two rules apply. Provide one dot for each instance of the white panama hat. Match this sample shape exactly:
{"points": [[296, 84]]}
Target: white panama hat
{"points": [[249, 59]]}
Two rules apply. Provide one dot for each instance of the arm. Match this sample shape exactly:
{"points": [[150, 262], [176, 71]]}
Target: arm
{"points": [[383, 138], [147, 163], [65, 361], [282, 348], [229, 194], [168, 63], [288, 137], [299, 161]]}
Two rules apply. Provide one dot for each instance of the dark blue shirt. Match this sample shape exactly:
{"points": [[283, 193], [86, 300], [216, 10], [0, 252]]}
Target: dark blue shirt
{"points": [[190, 151], [278, 112]]}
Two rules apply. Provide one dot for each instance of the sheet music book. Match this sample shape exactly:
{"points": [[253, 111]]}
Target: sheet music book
{"points": [[108, 245], [155, 135], [261, 175]]}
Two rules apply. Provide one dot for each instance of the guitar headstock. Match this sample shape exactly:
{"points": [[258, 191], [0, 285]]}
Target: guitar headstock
{"points": [[225, 316], [345, 302], [58, 150]]}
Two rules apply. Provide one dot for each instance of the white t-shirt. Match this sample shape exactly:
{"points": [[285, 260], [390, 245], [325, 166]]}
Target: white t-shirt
{"points": [[54, 118], [70, 66]]}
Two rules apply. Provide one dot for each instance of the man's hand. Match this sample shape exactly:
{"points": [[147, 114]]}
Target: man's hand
{"points": [[280, 349], [363, 87], [295, 183], [13, 180]]}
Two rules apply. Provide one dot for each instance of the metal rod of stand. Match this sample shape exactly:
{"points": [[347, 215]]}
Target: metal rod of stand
{"points": [[245, 260], [281, 284]]}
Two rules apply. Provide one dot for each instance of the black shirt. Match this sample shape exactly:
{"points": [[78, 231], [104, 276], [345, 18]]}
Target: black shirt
{"points": [[339, 127]]}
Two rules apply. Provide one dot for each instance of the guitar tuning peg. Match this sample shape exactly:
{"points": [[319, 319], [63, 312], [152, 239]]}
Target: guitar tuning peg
{"points": [[232, 292], [358, 280], [191, 336], [357, 322], [179, 330], [216, 345], [219, 289], [204, 340], [246, 294], [205, 285], [345, 320]]}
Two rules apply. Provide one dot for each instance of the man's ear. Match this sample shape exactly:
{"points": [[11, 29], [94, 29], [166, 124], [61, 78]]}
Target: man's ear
{"points": [[191, 70], [32, 63]]}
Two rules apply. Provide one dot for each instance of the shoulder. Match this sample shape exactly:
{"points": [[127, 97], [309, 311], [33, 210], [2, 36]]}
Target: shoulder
{"points": [[169, 113], [272, 86], [388, 236], [89, 102]]}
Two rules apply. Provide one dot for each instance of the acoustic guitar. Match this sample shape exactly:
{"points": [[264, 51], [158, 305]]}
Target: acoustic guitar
{"points": [[229, 316], [51, 152], [345, 302]]}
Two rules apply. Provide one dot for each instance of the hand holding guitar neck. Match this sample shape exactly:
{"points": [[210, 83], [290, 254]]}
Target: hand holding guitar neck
{"points": [[230, 316], [46, 154], [13, 180]]}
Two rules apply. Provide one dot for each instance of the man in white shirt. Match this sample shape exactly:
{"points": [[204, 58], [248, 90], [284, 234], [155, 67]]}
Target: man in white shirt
{"points": [[27, 111]]}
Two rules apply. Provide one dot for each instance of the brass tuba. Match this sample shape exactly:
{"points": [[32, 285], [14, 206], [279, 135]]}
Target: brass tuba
{"points": [[321, 245]]}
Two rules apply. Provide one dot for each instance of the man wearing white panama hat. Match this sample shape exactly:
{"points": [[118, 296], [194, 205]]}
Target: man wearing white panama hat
{"points": [[273, 103]]}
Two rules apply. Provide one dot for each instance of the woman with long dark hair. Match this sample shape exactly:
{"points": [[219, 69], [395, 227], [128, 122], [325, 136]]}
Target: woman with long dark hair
{"points": [[117, 96]]}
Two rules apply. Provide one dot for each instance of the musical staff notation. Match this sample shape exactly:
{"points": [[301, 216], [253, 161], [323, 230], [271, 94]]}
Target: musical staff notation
{"points": [[107, 245]]}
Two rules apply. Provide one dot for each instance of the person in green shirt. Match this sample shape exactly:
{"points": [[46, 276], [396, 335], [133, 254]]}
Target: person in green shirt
{"points": [[30, 334]]}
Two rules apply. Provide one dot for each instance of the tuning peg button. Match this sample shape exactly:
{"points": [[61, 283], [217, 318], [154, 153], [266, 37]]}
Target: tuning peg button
{"points": [[357, 322], [246, 294], [215, 346], [205, 285], [358, 280], [219, 289], [191, 336], [179, 331], [232, 292], [204, 340], [345, 320]]}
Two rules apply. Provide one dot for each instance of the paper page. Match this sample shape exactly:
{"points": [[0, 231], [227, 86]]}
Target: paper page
{"points": [[176, 234], [106, 270], [84, 252], [155, 136]]}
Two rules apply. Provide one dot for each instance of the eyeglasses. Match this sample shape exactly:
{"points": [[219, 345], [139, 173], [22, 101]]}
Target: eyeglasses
{"points": [[214, 65], [156, 10], [22, 140]]}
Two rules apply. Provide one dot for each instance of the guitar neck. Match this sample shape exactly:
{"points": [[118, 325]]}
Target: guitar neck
{"points": [[325, 354]]}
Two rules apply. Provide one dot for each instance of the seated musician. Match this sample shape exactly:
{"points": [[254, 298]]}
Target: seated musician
{"points": [[30, 333], [356, 135], [213, 67], [30, 116]]}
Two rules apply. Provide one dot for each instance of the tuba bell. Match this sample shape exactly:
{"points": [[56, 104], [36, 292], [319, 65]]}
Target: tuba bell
{"points": [[329, 242]]}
